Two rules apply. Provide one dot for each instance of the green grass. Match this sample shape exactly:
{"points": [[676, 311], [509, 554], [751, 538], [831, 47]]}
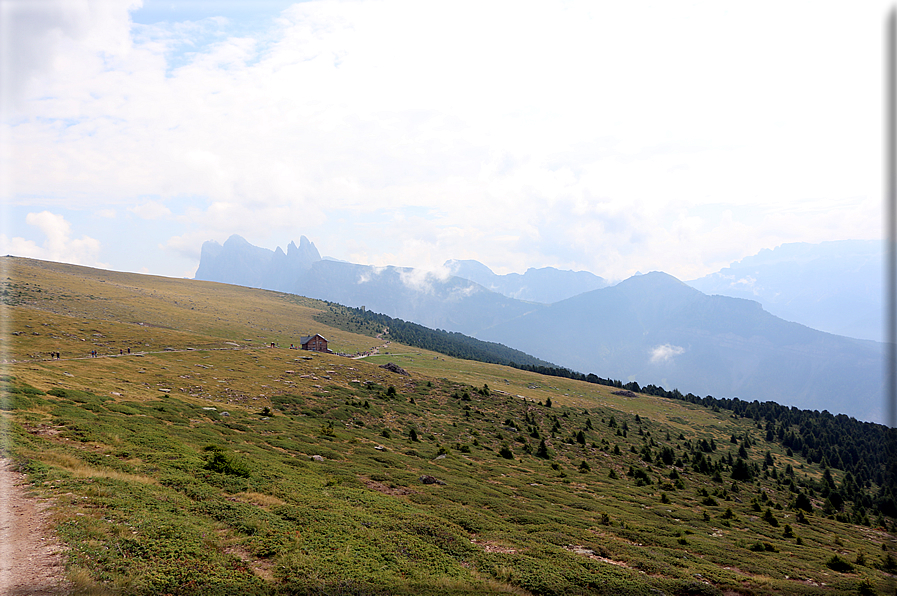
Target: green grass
{"points": [[159, 492]]}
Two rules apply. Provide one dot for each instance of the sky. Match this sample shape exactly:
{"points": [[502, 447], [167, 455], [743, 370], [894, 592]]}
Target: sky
{"points": [[612, 137]]}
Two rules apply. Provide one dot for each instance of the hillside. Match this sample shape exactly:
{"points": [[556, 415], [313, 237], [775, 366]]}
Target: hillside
{"points": [[207, 462], [654, 329]]}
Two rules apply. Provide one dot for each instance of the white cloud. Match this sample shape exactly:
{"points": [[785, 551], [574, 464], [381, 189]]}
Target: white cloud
{"points": [[150, 210], [368, 274], [58, 244], [665, 353], [589, 135], [45, 38]]}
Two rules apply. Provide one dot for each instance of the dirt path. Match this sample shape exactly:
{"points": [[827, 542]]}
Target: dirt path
{"points": [[31, 559]]}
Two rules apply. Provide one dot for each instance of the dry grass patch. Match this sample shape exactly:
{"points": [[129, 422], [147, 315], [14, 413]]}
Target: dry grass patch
{"points": [[260, 499], [79, 469]]}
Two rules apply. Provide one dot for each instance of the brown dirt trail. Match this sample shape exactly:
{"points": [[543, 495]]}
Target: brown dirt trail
{"points": [[31, 558]]}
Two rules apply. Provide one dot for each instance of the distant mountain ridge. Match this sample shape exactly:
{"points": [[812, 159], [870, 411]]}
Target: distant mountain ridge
{"points": [[833, 286], [450, 303], [656, 329], [545, 285], [241, 263]]}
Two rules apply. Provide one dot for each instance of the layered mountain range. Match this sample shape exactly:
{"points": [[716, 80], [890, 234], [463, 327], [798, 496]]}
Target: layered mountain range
{"points": [[833, 286], [651, 329]]}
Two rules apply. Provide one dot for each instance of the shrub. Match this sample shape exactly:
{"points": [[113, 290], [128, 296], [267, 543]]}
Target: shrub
{"points": [[506, 452], [802, 502], [225, 463], [840, 565], [888, 563], [865, 587]]}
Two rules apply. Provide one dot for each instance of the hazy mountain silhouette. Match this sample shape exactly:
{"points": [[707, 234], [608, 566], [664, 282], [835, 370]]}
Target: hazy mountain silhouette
{"points": [[832, 286], [545, 285], [449, 302], [241, 263], [654, 329]]}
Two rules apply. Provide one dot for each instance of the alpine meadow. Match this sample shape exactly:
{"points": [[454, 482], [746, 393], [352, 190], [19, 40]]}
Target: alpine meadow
{"points": [[187, 449]]}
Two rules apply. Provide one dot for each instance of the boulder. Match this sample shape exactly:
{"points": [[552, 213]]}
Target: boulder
{"points": [[391, 367]]}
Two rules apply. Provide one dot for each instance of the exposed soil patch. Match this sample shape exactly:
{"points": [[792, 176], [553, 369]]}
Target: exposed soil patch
{"points": [[261, 567], [32, 562], [386, 490], [587, 552], [494, 547]]}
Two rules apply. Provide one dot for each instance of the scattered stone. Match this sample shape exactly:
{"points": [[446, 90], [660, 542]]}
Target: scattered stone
{"points": [[68, 374], [440, 456], [392, 367], [163, 390], [380, 448], [624, 393], [224, 414], [317, 458], [427, 479], [210, 408]]}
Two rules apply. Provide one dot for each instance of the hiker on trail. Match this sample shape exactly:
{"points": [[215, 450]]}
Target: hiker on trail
{"points": [[129, 350], [121, 352]]}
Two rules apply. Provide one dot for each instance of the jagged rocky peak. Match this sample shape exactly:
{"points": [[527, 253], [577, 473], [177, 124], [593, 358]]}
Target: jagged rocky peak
{"points": [[237, 241], [306, 251]]}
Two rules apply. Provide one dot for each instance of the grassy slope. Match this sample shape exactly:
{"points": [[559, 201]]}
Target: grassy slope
{"points": [[128, 463]]}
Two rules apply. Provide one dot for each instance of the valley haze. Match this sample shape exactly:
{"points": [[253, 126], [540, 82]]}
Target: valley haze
{"points": [[651, 328]]}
